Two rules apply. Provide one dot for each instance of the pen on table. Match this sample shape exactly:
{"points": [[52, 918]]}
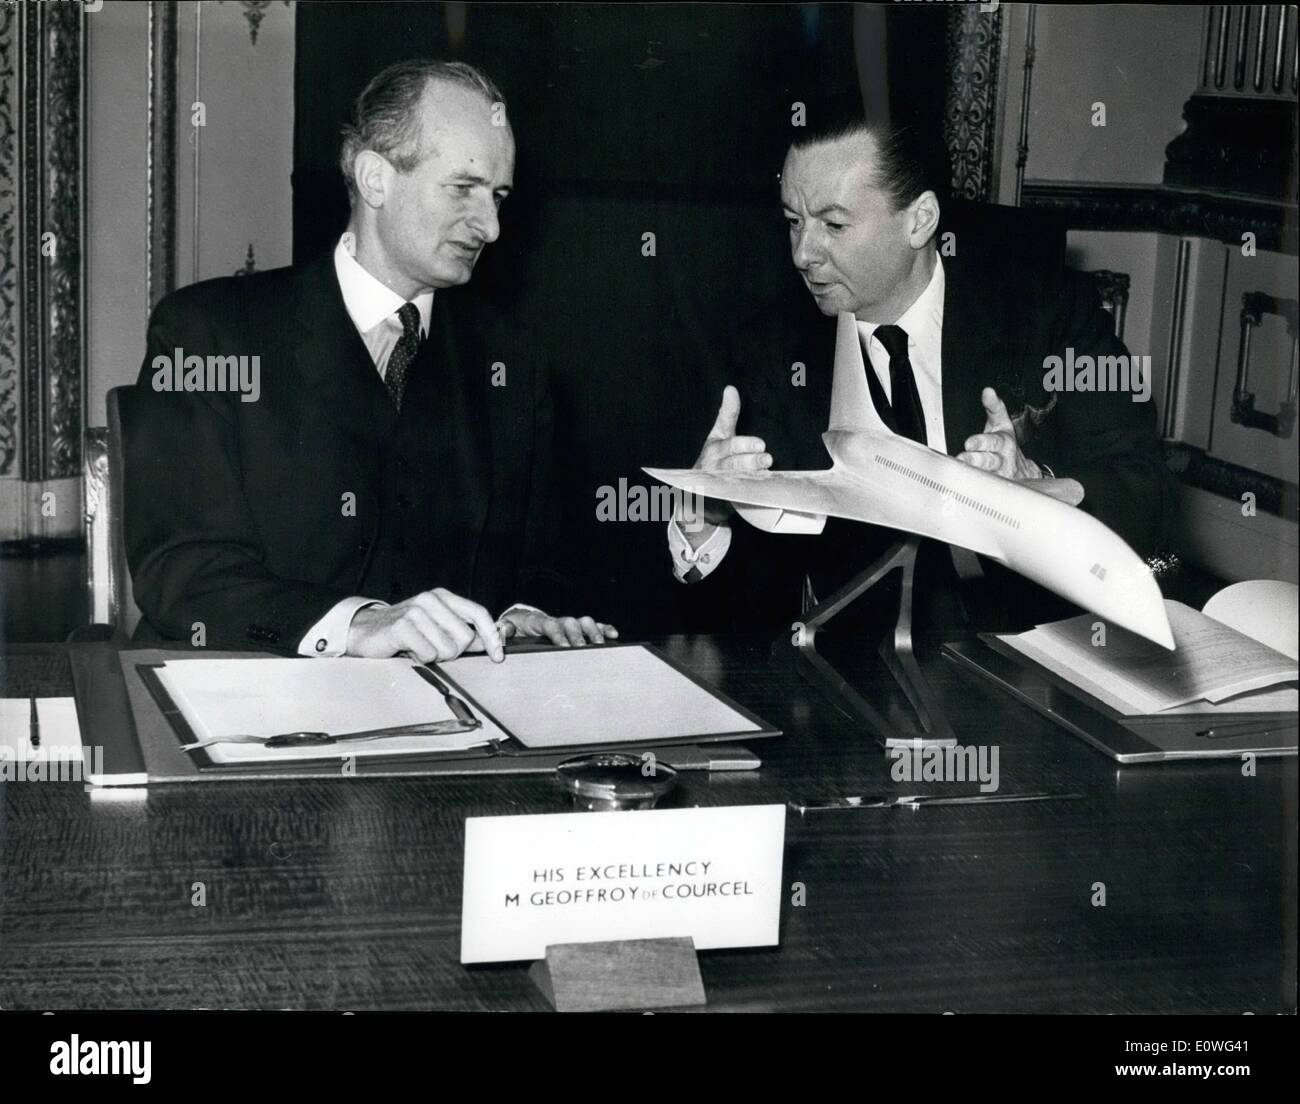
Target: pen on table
{"points": [[34, 725], [1223, 732], [916, 801]]}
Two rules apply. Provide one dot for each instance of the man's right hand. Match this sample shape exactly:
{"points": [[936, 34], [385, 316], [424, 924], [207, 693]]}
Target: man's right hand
{"points": [[435, 625], [723, 451]]}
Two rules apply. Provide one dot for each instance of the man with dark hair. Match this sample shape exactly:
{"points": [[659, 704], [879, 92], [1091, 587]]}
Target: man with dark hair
{"points": [[957, 349], [396, 446]]}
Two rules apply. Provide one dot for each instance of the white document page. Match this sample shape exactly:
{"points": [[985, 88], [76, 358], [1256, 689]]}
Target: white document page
{"points": [[594, 695], [264, 697], [1211, 662], [60, 733]]}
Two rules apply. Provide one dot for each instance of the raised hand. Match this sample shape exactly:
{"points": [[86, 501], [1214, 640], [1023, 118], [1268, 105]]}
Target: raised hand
{"points": [[996, 449]]}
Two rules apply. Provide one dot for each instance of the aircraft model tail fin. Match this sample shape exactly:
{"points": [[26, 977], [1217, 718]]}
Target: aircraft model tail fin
{"points": [[851, 405]]}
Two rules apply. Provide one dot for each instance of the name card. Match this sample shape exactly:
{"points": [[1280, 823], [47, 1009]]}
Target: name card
{"points": [[532, 881]]}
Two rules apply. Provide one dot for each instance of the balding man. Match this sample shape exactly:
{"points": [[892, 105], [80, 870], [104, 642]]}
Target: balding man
{"points": [[377, 482]]}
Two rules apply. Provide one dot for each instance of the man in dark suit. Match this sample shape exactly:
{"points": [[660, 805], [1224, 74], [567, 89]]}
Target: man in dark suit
{"points": [[378, 479], [956, 350]]}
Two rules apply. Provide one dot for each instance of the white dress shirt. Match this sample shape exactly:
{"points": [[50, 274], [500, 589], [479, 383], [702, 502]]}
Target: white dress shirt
{"points": [[373, 307], [923, 324]]}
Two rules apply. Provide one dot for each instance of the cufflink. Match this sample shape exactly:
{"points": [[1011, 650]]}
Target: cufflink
{"points": [[321, 645]]}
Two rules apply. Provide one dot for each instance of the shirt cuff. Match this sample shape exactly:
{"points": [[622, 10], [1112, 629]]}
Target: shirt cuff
{"points": [[690, 565], [328, 638], [523, 606]]}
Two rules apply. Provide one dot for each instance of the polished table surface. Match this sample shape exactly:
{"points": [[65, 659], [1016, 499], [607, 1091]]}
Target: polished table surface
{"points": [[346, 893]]}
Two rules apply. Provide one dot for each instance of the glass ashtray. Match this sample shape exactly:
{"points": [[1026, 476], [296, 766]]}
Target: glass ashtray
{"points": [[613, 780]]}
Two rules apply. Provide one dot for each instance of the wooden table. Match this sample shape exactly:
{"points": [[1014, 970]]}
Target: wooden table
{"points": [[345, 894]]}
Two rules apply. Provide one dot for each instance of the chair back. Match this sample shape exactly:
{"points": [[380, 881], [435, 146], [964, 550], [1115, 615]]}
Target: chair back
{"points": [[111, 599]]}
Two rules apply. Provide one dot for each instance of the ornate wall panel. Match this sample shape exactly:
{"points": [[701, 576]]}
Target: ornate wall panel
{"points": [[1241, 120], [161, 151], [9, 368], [970, 106], [41, 191]]}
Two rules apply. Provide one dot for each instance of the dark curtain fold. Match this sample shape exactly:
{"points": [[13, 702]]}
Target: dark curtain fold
{"points": [[669, 120]]}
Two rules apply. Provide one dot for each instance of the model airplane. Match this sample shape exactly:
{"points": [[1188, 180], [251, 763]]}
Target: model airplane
{"points": [[881, 478]]}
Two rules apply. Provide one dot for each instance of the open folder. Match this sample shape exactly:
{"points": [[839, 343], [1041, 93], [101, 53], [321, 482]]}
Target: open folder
{"points": [[1220, 693], [542, 700], [540, 706], [223, 706]]}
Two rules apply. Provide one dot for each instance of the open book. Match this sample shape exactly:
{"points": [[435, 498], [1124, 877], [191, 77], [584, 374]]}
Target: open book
{"points": [[1213, 669]]}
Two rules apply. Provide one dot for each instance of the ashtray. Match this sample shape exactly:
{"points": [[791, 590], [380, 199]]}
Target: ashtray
{"points": [[613, 780]]}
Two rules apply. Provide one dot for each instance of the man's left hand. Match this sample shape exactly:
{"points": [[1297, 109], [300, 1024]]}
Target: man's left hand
{"points": [[996, 449], [568, 632]]}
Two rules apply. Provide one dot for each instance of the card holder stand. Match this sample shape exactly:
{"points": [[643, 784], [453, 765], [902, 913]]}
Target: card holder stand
{"points": [[620, 975], [897, 650]]}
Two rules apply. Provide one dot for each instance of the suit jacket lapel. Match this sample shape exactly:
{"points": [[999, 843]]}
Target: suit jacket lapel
{"points": [[459, 375], [332, 360], [966, 348]]}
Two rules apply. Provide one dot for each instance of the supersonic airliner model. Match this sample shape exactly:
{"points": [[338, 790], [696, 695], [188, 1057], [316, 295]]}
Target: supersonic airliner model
{"points": [[878, 477]]}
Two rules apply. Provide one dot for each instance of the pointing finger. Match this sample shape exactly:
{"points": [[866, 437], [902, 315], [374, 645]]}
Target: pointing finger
{"points": [[995, 410], [724, 425], [487, 630]]}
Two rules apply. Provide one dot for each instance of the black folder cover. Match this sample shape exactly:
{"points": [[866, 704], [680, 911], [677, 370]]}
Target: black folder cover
{"points": [[104, 715]]}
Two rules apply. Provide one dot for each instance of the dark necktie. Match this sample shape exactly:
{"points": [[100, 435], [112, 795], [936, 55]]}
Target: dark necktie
{"points": [[905, 401], [403, 354], [938, 602]]}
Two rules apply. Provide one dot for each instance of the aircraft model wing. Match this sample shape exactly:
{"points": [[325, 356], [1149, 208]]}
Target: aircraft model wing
{"points": [[807, 492], [778, 502], [883, 479], [800, 502]]}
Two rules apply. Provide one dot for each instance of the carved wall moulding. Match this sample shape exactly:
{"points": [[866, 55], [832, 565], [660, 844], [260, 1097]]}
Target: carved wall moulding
{"points": [[42, 185], [160, 153], [970, 105], [1241, 120], [1162, 210], [254, 13]]}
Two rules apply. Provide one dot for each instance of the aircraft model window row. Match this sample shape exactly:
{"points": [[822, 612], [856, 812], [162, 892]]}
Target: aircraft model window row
{"points": [[963, 499]]}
